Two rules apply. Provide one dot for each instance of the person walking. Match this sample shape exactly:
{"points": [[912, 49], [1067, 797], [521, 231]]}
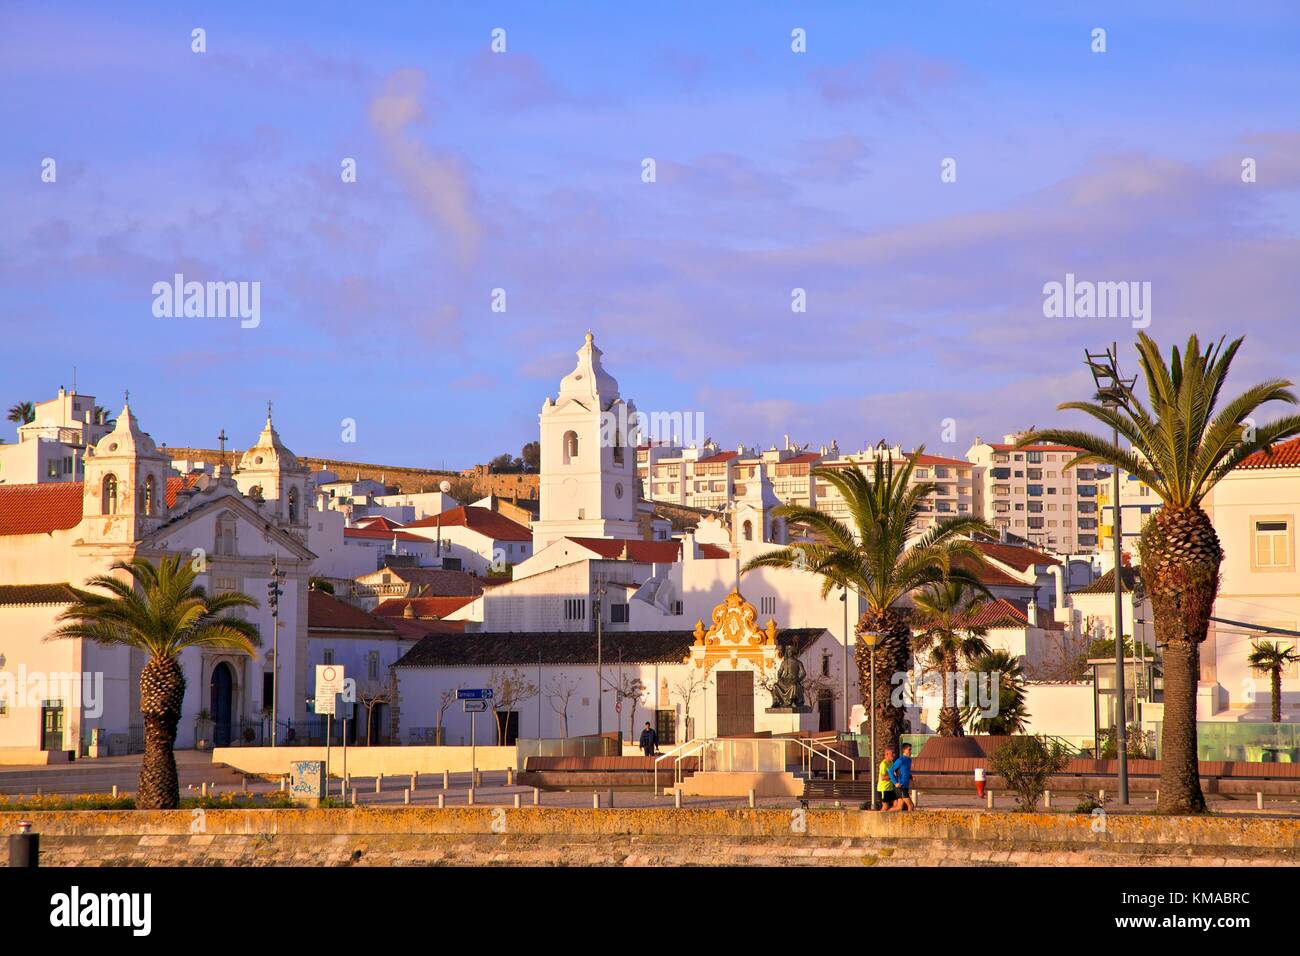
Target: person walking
{"points": [[649, 740], [884, 782], [900, 775]]}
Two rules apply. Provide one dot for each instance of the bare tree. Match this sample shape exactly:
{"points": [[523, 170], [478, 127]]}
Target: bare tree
{"points": [[445, 700], [509, 689], [371, 696], [695, 680], [632, 690], [559, 692]]}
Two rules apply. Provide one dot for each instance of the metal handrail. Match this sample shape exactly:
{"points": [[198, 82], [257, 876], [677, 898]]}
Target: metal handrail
{"points": [[678, 752]]}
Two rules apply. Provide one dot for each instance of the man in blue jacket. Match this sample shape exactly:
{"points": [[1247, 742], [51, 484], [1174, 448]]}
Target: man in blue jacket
{"points": [[649, 740], [900, 773]]}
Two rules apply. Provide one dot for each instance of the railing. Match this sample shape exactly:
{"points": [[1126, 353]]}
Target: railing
{"points": [[811, 750], [820, 747], [678, 753]]}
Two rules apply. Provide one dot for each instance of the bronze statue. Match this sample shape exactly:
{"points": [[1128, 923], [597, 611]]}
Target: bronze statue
{"points": [[787, 692]]}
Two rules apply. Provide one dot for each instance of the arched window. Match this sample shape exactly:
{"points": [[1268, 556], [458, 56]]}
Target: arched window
{"points": [[747, 529], [147, 497], [293, 505], [570, 447], [109, 491], [225, 543]]}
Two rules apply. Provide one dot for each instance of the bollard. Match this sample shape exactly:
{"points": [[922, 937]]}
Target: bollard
{"points": [[595, 801], [989, 795], [1259, 800], [441, 800], [24, 847], [478, 777], [470, 797], [446, 780], [379, 782], [282, 784], [916, 798], [415, 780], [1047, 799], [354, 796], [203, 791], [677, 798], [114, 791], [243, 783], [752, 801], [837, 804], [510, 776], [517, 801], [407, 797], [537, 796]]}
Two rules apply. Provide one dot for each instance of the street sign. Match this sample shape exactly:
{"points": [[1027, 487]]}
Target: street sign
{"points": [[474, 693], [326, 704], [474, 706], [329, 679]]}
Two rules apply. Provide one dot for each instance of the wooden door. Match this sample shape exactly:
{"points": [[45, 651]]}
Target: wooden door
{"points": [[735, 703]]}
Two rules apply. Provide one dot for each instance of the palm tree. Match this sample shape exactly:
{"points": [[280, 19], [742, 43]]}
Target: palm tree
{"points": [[1271, 657], [1010, 715], [1181, 448], [23, 413], [160, 611], [946, 611], [881, 555]]}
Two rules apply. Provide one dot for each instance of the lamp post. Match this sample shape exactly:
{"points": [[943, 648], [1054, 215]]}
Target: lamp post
{"points": [[871, 637], [598, 595], [844, 596], [1113, 392]]}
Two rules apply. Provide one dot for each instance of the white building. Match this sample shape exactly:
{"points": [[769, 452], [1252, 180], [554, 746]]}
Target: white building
{"points": [[52, 446]]}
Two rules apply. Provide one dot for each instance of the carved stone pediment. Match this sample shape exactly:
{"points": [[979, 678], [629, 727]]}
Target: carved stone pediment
{"points": [[734, 636]]}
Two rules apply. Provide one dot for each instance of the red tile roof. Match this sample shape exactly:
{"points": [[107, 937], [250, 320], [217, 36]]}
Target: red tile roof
{"points": [[1022, 559], [377, 521], [714, 551], [414, 629], [1007, 613], [40, 508], [486, 522], [989, 575], [424, 607], [1285, 455], [808, 456], [996, 446], [326, 611], [940, 460], [178, 483], [717, 457], [380, 533]]}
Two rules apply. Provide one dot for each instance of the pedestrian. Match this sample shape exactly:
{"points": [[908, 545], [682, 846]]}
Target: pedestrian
{"points": [[649, 740], [900, 775], [885, 783]]}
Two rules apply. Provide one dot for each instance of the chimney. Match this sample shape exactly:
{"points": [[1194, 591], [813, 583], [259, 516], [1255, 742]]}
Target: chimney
{"points": [[1033, 610]]}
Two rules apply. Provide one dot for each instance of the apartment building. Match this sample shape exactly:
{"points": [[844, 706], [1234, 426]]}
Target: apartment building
{"points": [[955, 483], [1030, 493], [52, 446]]}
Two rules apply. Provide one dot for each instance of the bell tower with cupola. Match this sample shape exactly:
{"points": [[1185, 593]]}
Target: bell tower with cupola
{"points": [[270, 474], [125, 490], [588, 483]]}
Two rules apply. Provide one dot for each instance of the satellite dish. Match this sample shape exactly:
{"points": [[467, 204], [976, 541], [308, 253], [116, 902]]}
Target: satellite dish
{"points": [[445, 487]]}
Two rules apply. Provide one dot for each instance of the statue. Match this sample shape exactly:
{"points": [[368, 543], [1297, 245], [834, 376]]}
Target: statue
{"points": [[787, 692]]}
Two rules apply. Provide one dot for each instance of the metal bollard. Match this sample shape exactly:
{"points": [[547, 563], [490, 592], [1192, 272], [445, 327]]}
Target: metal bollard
{"points": [[379, 782], [407, 796], [595, 801], [510, 776], [415, 780], [1047, 799], [990, 799], [114, 791], [203, 789], [354, 796], [537, 796], [24, 847], [442, 798], [282, 783], [677, 798], [752, 800], [1259, 800], [446, 780], [916, 798], [517, 801], [470, 797]]}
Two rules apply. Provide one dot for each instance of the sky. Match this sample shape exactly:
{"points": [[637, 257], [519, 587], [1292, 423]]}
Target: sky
{"points": [[524, 171]]}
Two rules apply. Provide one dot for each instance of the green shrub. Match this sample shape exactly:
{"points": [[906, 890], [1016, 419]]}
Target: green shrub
{"points": [[1026, 764]]}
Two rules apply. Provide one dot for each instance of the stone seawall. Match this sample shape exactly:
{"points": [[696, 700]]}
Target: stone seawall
{"points": [[577, 837]]}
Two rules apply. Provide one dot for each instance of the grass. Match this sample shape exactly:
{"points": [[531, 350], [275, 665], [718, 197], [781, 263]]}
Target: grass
{"points": [[104, 801]]}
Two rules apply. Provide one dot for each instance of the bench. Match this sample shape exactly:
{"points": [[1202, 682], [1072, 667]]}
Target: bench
{"points": [[827, 789]]}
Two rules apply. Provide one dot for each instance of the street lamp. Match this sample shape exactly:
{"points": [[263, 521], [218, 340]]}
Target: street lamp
{"points": [[871, 637]]}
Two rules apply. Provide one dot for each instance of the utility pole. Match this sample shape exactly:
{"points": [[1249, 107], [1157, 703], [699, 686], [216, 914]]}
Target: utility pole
{"points": [[1113, 392], [273, 594]]}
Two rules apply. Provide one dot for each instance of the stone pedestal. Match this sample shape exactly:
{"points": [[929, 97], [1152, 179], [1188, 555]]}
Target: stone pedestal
{"points": [[783, 720]]}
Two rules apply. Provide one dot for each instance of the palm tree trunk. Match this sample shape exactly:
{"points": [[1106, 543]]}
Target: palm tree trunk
{"points": [[1275, 679], [893, 654], [949, 715], [1180, 563], [162, 693]]}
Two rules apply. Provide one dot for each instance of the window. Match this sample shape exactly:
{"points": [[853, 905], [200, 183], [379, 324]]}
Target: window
{"points": [[293, 505], [109, 491], [570, 447], [676, 608], [372, 665], [52, 468], [767, 605], [1272, 543], [226, 525], [1035, 490], [575, 609], [826, 664], [148, 496], [619, 614], [327, 656], [747, 529], [1034, 457]]}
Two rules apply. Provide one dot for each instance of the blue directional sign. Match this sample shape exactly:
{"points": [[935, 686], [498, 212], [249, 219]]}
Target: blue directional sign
{"points": [[474, 693]]}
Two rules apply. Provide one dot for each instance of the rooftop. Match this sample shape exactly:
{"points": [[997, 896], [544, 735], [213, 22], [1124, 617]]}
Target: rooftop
{"points": [[486, 522]]}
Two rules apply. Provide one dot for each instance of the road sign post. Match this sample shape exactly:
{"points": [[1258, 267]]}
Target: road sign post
{"points": [[474, 701], [329, 684]]}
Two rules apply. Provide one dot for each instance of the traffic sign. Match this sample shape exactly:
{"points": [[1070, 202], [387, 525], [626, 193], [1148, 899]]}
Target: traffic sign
{"points": [[325, 704], [474, 693], [329, 679], [474, 706]]}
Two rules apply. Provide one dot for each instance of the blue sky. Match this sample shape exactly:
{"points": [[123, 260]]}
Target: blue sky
{"points": [[521, 171]]}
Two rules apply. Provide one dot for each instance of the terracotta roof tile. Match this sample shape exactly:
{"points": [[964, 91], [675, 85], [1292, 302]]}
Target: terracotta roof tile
{"points": [[486, 522], [326, 611], [424, 607], [40, 508], [1106, 583], [380, 533], [1285, 455], [61, 593], [1022, 559]]}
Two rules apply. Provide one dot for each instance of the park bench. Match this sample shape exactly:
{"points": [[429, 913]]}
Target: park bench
{"points": [[821, 788]]}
